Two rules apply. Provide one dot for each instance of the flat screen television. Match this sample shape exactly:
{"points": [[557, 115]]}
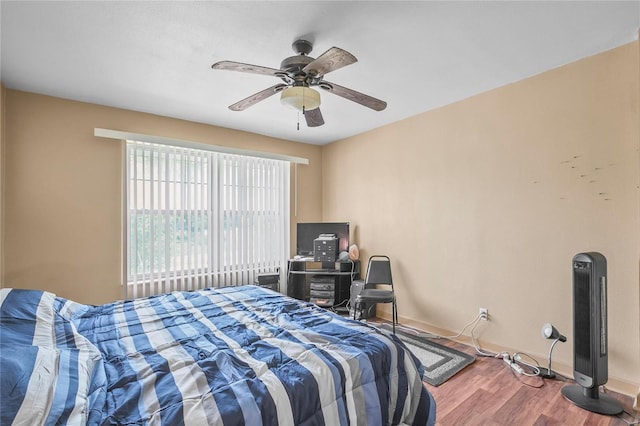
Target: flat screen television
{"points": [[307, 232]]}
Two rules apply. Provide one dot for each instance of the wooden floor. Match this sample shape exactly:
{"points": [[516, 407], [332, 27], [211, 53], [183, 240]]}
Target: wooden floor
{"points": [[488, 393]]}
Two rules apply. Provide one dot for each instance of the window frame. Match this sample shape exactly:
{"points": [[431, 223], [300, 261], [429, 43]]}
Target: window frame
{"points": [[216, 274]]}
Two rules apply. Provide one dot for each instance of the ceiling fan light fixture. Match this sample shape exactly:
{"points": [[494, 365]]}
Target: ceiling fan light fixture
{"points": [[300, 98]]}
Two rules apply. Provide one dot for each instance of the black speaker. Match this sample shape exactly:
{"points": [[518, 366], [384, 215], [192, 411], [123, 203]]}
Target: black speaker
{"points": [[356, 287], [368, 310], [590, 352], [297, 285]]}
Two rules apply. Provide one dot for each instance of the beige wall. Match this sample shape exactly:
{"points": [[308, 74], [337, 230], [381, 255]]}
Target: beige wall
{"points": [[63, 213], [483, 203]]}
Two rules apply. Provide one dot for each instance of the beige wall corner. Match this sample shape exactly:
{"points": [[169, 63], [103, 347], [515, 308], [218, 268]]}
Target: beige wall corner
{"points": [[483, 203], [636, 405]]}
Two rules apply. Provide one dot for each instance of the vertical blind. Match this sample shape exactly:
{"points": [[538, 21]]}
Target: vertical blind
{"points": [[198, 219]]}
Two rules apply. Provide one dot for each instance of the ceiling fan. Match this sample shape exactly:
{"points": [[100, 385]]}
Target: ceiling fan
{"points": [[300, 73]]}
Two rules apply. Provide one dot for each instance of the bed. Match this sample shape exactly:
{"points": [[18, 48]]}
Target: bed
{"points": [[233, 356]]}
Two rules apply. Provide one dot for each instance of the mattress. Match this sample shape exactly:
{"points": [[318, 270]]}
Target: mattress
{"points": [[229, 356]]}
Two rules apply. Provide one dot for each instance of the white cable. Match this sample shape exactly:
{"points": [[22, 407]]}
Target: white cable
{"points": [[535, 368], [474, 322], [634, 420], [511, 361], [477, 347]]}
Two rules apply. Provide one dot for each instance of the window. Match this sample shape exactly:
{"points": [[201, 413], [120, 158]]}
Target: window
{"points": [[199, 219]]}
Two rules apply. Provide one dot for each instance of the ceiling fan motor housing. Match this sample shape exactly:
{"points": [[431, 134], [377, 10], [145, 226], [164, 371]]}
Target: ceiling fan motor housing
{"points": [[302, 47], [292, 68], [295, 63]]}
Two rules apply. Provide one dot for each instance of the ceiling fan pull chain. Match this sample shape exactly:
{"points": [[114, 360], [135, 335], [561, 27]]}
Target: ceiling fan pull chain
{"points": [[298, 121]]}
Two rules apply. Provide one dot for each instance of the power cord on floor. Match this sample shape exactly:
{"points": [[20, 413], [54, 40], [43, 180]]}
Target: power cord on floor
{"points": [[631, 422], [517, 365], [475, 344], [520, 368], [343, 304], [533, 365], [474, 322]]}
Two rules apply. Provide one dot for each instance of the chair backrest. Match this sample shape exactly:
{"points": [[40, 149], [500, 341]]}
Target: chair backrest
{"points": [[379, 271]]}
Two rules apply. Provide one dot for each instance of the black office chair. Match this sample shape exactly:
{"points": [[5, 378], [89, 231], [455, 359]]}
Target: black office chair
{"points": [[378, 273]]}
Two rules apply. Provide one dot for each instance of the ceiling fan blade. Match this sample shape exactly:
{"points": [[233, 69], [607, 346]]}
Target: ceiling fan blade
{"points": [[314, 117], [352, 95], [257, 97], [239, 66], [330, 60]]}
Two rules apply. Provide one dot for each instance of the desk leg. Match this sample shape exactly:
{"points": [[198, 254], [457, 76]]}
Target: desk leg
{"points": [[297, 285]]}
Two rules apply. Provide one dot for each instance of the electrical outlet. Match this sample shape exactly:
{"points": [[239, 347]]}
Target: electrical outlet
{"points": [[484, 314]]}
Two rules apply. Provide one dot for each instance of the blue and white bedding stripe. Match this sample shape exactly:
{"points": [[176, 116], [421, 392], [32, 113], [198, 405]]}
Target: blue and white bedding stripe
{"points": [[232, 356], [49, 374]]}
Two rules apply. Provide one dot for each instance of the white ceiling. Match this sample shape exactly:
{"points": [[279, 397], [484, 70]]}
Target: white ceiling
{"points": [[419, 55]]}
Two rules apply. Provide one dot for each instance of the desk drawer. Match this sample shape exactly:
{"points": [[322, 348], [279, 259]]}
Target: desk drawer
{"points": [[322, 301], [323, 286], [322, 293]]}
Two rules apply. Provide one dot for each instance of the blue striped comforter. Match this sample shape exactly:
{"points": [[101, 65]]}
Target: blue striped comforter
{"points": [[232, 356]]}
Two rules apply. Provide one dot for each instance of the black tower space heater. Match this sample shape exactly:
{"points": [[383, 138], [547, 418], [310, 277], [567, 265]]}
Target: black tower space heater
{"points": [[590, 359]]}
